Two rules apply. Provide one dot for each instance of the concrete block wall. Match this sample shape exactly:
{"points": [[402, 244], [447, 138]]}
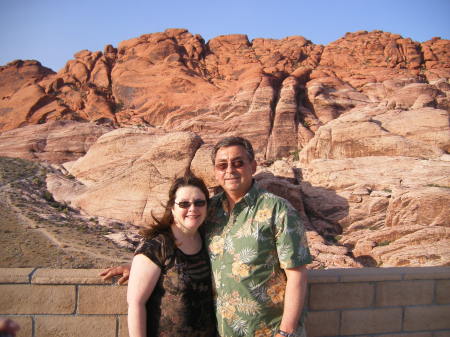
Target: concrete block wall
{"points": [[365, 302], [63, 303], [390, 302]]}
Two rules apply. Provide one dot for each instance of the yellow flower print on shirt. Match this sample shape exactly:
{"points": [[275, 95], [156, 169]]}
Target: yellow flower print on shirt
{"points": [[263, 215], [264, 331], [276, 293], [217, 244], [228, 311], [240, 269], [276, 289]]}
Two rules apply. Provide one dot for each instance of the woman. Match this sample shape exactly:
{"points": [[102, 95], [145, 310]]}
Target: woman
{"points": [[170, 288]]}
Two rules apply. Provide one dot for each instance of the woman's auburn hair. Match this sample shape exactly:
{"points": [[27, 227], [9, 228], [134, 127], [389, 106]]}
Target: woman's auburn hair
{"points": [[162, 225]]}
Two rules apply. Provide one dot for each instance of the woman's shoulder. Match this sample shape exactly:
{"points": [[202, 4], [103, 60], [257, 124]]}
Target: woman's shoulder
{"points": [[160, 246], [161, 238]]}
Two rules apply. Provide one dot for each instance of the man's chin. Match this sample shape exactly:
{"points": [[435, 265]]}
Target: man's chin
{"points": [[232, 186]]}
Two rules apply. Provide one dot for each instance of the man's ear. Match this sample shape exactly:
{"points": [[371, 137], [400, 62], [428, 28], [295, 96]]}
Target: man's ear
{"points": [[254, 166]]}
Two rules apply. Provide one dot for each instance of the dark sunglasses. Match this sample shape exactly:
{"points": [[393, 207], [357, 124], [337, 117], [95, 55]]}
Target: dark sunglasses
{"points": [[222, 166], [187, 204]]}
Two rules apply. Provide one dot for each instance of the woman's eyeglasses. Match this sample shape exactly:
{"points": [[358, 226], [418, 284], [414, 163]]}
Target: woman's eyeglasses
{"points": [[222, 166], [187, 204]]}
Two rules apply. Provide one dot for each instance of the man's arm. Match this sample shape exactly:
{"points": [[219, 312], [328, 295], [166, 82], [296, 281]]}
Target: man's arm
{"points": [[294, 298], [123, 270]]}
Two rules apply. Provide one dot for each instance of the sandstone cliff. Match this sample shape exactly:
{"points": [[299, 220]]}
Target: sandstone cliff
{"points": [[355, 133]]}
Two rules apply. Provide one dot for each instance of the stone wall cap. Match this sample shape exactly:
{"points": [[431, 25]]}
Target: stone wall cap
{"points": [[323, 275], [91, 276], [370, 274], [15, 275], [377, 274], [426, 273], [68, 276]]}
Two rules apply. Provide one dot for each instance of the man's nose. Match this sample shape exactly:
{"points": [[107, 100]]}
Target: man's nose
{"points": [[230, 167]]}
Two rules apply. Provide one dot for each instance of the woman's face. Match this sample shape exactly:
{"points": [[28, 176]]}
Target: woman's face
{"points": [[189, 219]]}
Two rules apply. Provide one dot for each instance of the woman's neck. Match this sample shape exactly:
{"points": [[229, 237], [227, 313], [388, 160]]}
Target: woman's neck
{"points": [[187, 242]]}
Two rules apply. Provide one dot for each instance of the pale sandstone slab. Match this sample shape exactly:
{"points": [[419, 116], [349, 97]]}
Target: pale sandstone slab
{"points": [[202, 165], [37, 299], [339, 195], [128, 172], [377, 173], [359, 134], [427, 125], [428, 205], [64, 189], [54, 142]]}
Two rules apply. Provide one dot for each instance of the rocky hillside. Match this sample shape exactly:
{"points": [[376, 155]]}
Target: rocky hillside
{"points": [[355, 133], [38, 231]]}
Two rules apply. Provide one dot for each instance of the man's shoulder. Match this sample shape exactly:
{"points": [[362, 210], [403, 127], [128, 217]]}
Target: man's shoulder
{"points": [[215, 201], [271, 198], [216, 197]]}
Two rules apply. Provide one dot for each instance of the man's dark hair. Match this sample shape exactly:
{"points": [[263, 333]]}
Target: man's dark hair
{"points": [[233, 141]]}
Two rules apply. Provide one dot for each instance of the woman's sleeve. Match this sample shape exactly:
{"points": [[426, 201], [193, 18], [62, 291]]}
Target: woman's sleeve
{"points": [[154, 250]]}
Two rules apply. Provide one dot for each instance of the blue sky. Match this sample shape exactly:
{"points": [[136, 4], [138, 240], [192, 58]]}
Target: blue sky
{"points": [[51, 31]]}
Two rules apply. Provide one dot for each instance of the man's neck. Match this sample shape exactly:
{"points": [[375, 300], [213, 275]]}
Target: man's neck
{"points": [[232, 200]]}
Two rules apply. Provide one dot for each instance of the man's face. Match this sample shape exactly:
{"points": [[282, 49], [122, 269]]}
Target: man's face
{"points": [[234, 170]]}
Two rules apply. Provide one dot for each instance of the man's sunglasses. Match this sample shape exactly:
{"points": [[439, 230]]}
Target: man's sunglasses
{"points": [[222, 166], [187, 204]]}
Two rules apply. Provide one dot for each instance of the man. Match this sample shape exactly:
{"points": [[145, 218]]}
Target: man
{"points": [[258, 251]]}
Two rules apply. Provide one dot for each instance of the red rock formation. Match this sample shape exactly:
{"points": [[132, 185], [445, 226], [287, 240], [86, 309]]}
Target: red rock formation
{"points": [[174, 80], [355, 134], [54, 142], [127, 172]]}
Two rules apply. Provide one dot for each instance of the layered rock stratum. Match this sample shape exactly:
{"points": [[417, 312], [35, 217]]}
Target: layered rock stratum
{"points": [[355, 133]]}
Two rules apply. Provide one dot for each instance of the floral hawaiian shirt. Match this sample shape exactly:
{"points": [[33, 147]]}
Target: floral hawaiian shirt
{"points": [[249, 249]]}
